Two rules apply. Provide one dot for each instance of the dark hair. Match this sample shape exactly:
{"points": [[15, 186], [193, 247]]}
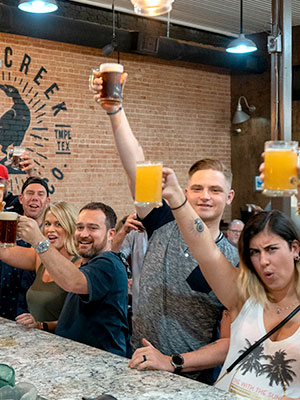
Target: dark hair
{"points": [[110, 215], [275, 221], [35, 179], [209, 163]]}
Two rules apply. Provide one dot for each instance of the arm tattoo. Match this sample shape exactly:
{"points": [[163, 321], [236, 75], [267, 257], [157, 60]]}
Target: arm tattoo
{"points": [[199, 225]]}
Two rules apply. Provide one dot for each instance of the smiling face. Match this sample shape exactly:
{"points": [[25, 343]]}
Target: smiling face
{"points": [[34, 201], [208, 193], [273, 260], [92, 236], [54, 231]]}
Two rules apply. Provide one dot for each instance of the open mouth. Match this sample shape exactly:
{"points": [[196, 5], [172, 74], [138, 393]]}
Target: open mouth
{"points": [[269, 275], [33, 206], [84, 243], [52, 238]]}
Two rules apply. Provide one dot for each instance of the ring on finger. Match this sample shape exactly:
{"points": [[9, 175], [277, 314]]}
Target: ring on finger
{"points": [[144, 358]]}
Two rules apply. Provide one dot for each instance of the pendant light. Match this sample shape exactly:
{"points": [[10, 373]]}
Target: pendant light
{"points": [[152, 8], [241, 45], [38, 6], [109, 48]]}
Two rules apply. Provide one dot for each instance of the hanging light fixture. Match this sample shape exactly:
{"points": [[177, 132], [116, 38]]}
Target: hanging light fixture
{"points": [[38, 6], [241, 44], [109, 48], [239, 115], [152, 8]]}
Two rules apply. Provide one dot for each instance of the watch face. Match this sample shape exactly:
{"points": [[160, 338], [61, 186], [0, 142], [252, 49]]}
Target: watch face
{"points": [[43, 246], [177, 359]]}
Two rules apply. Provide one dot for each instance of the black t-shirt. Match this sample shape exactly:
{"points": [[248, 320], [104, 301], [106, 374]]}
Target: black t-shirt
{"points": [[99, 318]]}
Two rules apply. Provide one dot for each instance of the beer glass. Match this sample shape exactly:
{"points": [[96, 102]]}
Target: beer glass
{"points": [[148, 184], [2, 187], [281, 160], [8, 229], [14, 157], [7, 375], [111, 75]]}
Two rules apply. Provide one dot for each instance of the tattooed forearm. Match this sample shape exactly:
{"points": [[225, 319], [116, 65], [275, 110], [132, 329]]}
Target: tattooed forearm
{"points": [[199, 225]]}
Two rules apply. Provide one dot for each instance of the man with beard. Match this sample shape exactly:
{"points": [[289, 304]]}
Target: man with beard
{"points": [[95, 310]]}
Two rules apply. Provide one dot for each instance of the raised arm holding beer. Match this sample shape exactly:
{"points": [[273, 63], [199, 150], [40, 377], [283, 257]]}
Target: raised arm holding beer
{"points": [[170, 278]]}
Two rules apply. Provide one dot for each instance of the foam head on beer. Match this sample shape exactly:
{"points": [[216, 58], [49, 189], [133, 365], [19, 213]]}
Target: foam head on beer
{"points": [[8, 216], [111, 67]]}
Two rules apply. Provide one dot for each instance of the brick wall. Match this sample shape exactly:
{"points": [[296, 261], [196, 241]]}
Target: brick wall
{"points": [[180, 112]]}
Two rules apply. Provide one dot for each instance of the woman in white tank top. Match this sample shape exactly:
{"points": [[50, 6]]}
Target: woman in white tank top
{"points": [[259, 295]]}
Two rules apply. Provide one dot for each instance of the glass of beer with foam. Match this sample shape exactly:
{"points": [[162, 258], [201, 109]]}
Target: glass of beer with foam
{"points": [[112, 86], [8, 229], [281, 160], [14, 157], [148, 185]]}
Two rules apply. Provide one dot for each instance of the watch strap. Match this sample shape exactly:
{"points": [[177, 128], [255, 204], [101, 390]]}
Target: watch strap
{"points": [[45, 326]]}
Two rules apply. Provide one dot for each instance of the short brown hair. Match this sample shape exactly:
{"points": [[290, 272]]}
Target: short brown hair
{"points": [[210, 163], [111, 218]]}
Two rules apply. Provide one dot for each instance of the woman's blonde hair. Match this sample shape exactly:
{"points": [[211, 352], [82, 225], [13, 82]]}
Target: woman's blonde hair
{"points": [[66, 216], [277, 223]]}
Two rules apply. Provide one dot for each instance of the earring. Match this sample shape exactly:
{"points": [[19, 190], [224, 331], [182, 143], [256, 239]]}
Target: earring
{"points": [[297, 258]]}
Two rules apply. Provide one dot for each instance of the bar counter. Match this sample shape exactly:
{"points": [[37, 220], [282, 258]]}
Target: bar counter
{"points": [[66, 370]]}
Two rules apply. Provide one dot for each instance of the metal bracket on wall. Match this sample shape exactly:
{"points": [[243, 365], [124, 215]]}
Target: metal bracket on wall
{"points": [[274, 44]]}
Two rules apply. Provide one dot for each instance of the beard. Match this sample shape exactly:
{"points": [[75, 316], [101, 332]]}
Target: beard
{"points": [[93, 251]]}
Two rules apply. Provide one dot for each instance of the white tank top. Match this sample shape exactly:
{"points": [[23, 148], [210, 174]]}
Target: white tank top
{"points": [[268, 368]]}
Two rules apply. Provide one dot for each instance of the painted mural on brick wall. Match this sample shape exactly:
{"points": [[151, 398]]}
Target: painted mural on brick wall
{"points": [[32, 115]]}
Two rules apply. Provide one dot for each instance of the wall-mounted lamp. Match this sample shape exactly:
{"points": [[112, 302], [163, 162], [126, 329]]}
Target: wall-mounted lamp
{"points": [[240, 116], [38, 6], [241, 44], [152, 8]]}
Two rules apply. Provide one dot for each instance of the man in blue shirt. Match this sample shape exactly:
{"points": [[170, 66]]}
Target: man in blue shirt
{"points": [[95, 310]]}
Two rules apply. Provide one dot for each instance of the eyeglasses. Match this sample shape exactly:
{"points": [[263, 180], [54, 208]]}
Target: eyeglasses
{"points": [[234, 231]]}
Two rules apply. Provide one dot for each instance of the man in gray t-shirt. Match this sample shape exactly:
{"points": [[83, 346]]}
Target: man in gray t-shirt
{"points": [[177, 311]]}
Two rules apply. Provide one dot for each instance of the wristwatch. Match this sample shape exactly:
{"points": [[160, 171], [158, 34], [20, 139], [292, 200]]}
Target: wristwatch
{"points": [[45, 326], [177, 362], [42, 246]]}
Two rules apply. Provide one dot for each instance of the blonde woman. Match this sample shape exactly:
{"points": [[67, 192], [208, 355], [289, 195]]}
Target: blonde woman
{"points": [[45, 298]]}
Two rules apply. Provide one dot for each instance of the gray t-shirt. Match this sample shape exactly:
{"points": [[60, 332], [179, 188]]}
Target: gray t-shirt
{"points": [[177, 310]]}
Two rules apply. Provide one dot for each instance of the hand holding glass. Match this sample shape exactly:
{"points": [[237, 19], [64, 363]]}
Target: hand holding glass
{"points": [[148, 186], [281, 160]]}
